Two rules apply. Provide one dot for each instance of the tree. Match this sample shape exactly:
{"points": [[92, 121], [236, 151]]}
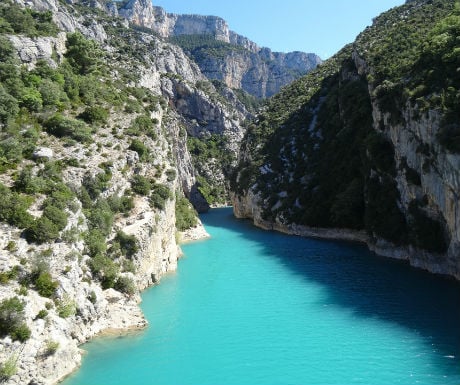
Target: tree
{"points": [[83, 54], [12, 319]]}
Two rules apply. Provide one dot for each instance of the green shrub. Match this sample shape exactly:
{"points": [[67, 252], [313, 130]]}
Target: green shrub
{"points": [[51, 347], [21, 333], [27, 183], [95, 243], [8, 368], [140, 148], [122, 204], [170, 174], [142, 125], [9, 106], [12, 319], [52, 93], [83, 55], [186, 216], [31, 99], [45, 285], [13, 208], [92, 297], [42, 230], [94, 114], [128, 266], [42, 314], [141, 185], [128, 243], [125, 285], [159, 196], [97, 184], [66, 307], [61, 126], [56, 216], [101, 217], [104, 269], [26, 21]]}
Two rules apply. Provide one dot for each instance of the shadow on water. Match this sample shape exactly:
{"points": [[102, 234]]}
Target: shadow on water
{"points": [[369, 285]]}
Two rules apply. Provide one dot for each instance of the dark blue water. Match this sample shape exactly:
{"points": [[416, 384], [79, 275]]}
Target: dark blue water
{"points": [[255, 307]]}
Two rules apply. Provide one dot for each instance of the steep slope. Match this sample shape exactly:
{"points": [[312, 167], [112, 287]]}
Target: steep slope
{"points": [[366, 146], [220, 53], [94, 170]]}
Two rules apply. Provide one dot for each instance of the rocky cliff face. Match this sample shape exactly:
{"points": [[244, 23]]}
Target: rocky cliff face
{"points": [[157, 97], [258, 71], [367, 146]]}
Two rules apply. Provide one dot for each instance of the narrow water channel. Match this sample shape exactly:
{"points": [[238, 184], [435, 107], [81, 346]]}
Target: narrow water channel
{"points": [[254, 307]]}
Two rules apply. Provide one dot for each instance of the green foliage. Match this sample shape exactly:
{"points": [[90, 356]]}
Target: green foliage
{"points": [[13, 208], [142, 124], [199, 47], [95, 185], [140, 148], [95, 243], [83, 55], [61, 126], [43, 313], [94, 114], [9, 105], [125, 285], [66, 307], [250, 102], [141, 185], [28, 22], [12, 319], [42, 230], [128, 244], [186, 216], [204, 151], [45, 284], [104, 269], [315, 155], [51, 347], [159, 196], [170, 174], [122, 204], [8, 368], [100, 216], [92, 297], [56, 215]]}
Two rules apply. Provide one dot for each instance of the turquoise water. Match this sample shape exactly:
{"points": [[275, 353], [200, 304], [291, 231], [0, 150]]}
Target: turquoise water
{"points": [[255, 307]]}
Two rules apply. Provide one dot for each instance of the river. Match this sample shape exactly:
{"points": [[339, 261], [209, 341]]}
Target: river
{"points": [[255, 307]]}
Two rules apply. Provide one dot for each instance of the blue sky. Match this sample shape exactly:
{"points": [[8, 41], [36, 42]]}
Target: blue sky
{"points": [[322, 27]]}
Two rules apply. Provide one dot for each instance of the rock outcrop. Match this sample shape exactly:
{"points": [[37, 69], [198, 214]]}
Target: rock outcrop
{"points": [[181, 101], [258, 71], [365, 143]]}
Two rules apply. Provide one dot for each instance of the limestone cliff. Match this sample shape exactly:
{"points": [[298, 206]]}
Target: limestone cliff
{"points": [[240, 64], [101, 148], [367, 145]]}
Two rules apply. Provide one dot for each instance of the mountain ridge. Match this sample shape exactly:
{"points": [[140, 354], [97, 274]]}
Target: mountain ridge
{"points": [[257, 70]]}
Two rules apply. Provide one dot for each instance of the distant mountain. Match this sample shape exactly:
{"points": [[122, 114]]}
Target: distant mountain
{"points": [[221, 53]]}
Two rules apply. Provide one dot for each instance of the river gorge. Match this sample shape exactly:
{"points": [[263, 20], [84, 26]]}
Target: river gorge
{"points": [[249, 306]]}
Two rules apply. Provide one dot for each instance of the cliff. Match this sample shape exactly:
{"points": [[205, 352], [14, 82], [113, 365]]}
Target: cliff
{"points": [[221, 53], [96, 123], [367, 144]]}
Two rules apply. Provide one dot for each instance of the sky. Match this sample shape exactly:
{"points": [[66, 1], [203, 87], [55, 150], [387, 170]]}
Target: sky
{"points": [[318, 26]]}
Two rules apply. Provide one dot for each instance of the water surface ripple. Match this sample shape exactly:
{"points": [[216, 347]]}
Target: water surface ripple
{"points": [[255, 307]]}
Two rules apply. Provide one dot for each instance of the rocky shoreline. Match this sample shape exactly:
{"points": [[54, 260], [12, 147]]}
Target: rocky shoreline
{"points": [[246, 207], [126, 315]]}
